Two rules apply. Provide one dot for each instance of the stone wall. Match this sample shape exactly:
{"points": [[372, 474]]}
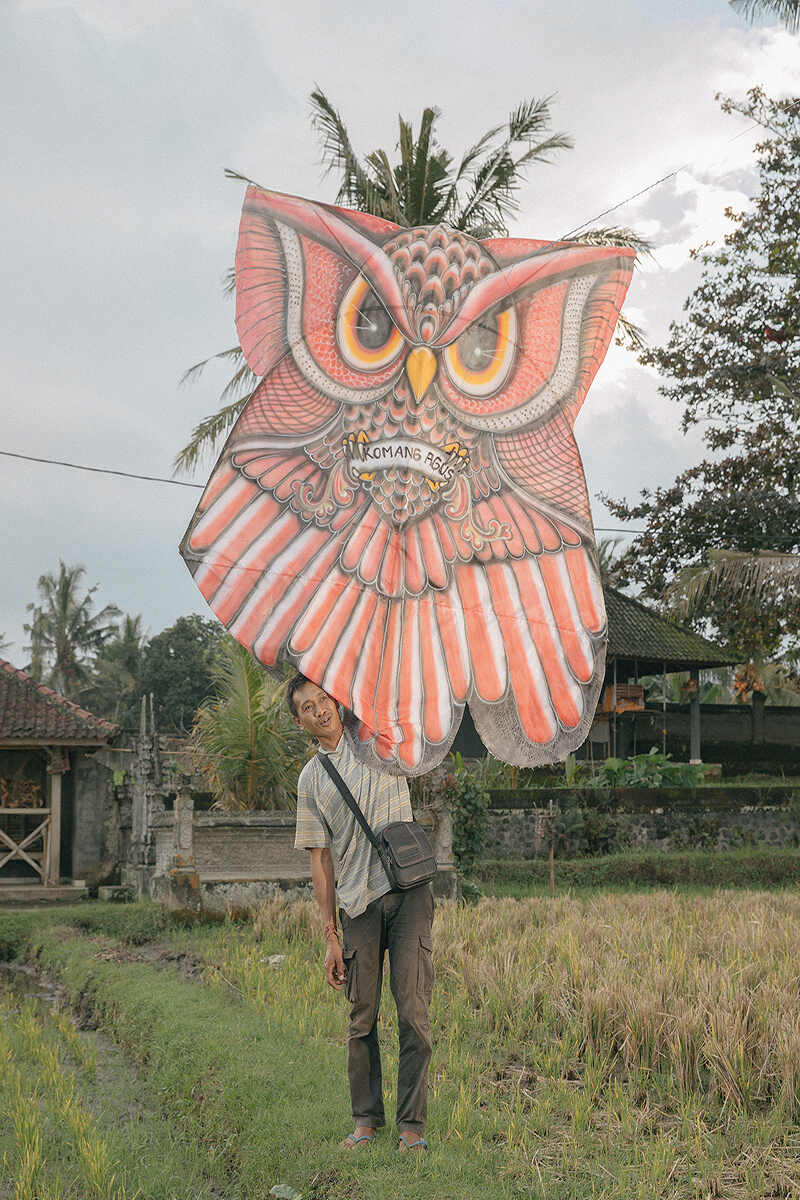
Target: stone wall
{"points": [[658, 819], [230, 846]]}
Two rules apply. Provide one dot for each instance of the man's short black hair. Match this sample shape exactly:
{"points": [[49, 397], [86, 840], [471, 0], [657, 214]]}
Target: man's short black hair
{"points": [[294, 686]]}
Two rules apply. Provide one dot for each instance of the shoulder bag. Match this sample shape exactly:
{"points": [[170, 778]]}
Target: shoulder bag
{"points": [[402, 846]]}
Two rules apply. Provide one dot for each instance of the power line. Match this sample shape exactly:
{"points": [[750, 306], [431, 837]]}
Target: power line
{"points": [[684, 166], [57, 462]]}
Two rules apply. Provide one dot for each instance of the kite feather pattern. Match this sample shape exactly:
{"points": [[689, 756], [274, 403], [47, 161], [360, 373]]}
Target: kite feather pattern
{"points": [[400, 510]]}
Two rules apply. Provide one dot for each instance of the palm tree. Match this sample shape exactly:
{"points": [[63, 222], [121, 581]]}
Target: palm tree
{"points": [[787, 11], [424, 187], [744, 579], [245, 741], [65, 634], [116, 671]]}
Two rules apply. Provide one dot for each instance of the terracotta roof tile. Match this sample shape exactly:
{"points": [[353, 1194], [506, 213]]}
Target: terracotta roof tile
{"points": [[29, 711]]}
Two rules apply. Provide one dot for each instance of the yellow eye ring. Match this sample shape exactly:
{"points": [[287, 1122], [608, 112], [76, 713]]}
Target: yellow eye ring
{"points": [[485, 381], [354, 317]]}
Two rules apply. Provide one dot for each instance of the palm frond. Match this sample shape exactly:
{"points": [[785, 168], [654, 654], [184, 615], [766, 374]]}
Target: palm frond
{"points": [[614, 235], [541, 151], [630, 335], [193, 373], [379, 161], [734, 574], [787, 11], [207, 433], [422, 162], [356, 188], [529, 118]]}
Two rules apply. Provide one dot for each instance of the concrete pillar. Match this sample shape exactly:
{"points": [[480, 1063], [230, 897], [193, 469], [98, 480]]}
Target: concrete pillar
{"points": [[54, 772], [694, 719], [445, 882], [759, 700], [184, 889]]}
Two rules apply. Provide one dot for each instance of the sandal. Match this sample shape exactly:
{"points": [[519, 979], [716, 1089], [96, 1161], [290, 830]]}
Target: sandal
{"points": [[420, 1144], [353, 1142]]}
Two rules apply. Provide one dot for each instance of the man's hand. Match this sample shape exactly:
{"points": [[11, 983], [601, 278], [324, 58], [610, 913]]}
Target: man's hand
{"points": [[334, 964]]}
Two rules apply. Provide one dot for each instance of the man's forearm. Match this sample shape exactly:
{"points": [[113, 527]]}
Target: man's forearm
{"points": [[324, 885]]}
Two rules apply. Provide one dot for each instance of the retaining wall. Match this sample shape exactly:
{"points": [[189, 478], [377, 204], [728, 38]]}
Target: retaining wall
{"points": [[720, 818]]}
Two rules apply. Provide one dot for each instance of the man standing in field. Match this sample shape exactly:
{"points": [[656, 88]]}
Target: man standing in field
{"points": [[374, 919]]}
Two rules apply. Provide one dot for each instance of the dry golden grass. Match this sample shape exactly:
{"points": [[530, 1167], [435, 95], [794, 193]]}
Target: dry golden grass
{"points": [[703, 989]]}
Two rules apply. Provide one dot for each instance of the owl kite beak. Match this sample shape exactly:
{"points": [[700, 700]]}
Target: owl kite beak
{"points": [[420, 369]]}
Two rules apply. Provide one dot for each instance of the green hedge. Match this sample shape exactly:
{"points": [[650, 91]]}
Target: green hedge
{"points": [[760, 867]]}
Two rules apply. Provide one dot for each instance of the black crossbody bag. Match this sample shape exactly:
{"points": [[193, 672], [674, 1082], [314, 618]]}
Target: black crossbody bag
{"points": [[402, 846]]}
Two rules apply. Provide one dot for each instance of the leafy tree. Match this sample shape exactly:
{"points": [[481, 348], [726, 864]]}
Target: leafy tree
{"points": [[66, 635], [177, 668], [245, 740], [787, 11], [733, 364], [424, 187]]}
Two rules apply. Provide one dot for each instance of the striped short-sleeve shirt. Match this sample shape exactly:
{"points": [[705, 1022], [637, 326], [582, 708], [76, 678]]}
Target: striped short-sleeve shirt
{"points": [[323, 819]]}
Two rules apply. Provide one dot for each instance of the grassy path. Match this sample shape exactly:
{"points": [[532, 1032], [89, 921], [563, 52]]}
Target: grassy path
{"points": [[73, 1123], [615, 1047]]}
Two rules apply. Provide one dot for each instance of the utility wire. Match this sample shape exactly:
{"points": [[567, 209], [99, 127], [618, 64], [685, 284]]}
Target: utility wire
{"points": [[684, 166], [57, 462]]}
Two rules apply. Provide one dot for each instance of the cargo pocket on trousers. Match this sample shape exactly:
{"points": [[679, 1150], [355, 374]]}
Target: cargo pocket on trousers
{"points": [[351, 975], [425, 968]]}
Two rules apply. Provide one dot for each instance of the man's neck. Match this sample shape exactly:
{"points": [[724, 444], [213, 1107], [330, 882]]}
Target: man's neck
{"points": [[331, 742]]}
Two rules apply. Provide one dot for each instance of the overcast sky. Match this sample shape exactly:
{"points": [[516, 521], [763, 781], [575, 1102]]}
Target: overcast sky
{"points": [[118, 118]]}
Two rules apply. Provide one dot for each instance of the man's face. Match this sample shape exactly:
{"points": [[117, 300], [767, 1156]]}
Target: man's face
{"points": [[317, 713]]}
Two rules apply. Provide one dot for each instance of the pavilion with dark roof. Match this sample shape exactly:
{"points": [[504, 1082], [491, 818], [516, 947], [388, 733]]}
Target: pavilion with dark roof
{"points": [[43, 736], [641, 642]]}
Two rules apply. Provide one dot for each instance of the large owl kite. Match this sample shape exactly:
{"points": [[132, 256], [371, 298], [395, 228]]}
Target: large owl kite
{"points": [[400, 509]]}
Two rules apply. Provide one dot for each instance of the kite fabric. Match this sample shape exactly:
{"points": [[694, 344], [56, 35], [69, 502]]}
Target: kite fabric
{"points": [[400, 510]]}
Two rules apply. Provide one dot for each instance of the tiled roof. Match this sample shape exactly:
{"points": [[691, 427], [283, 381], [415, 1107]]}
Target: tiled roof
{"points": [[31, 712], [636, 632]]}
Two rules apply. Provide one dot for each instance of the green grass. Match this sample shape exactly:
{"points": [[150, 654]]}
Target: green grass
{"points": [[691, 870], [75, 1121], [613, 1046]]}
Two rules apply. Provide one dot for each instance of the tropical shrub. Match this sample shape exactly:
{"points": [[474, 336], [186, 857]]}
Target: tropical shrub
{"points": [[466, 795], [246, 743]]}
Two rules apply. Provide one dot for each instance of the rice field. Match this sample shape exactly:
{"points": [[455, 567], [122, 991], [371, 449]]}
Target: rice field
{"points": [[617, 1045]]}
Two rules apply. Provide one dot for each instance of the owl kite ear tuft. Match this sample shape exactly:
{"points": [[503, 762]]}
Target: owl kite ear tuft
{"points": [[354, 241]]}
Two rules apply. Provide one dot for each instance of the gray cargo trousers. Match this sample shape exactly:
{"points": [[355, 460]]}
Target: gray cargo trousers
{"points": [[399, 922]]}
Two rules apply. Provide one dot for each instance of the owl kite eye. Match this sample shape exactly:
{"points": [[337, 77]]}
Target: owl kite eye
{"points": [[367, 336], [480, 360]]}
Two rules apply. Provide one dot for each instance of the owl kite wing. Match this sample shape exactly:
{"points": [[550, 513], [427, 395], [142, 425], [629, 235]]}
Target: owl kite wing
{"points": [[410, 529]]}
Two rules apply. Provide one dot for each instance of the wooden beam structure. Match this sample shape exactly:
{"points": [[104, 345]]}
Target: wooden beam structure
{"points": [[23, 849]]}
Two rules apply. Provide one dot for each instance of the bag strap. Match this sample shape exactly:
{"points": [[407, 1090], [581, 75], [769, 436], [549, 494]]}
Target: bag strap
{"points": [[352, 804]]}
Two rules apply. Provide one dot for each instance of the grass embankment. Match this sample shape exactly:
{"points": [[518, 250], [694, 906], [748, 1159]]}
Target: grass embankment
{"points": [[617, 1046], [72, 1123], [635, 870]]}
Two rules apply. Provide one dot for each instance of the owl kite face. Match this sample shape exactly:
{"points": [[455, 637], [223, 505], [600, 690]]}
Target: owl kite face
{"points": [[400, 509]]}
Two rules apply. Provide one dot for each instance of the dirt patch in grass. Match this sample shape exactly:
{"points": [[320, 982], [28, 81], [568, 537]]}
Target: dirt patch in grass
{"points": [[191, 966]]}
